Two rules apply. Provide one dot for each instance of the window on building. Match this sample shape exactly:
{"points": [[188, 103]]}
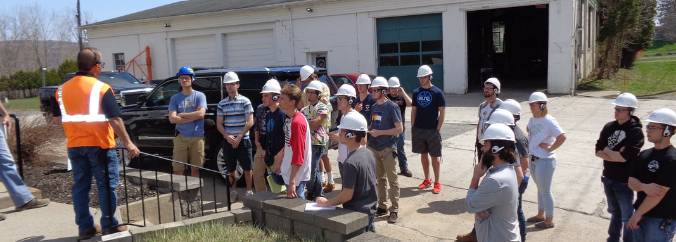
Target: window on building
{"points": [[118, 58], [414, 53], [499, 37]]}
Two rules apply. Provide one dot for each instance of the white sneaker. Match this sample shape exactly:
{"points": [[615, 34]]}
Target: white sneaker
{"points": [[249, 193]]}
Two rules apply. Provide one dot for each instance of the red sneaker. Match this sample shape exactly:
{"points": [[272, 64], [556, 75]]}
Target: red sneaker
{"points": [[437, 188], [425, 184]]}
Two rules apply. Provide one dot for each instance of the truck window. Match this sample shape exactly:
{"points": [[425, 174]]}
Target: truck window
{"points": [[210, 86], [163, 93]]}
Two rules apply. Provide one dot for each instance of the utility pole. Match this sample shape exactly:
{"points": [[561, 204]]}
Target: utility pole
{"points": [[79, 26]]}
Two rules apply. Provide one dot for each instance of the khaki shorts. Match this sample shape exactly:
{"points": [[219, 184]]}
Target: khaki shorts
{"points": [[189, 150]]}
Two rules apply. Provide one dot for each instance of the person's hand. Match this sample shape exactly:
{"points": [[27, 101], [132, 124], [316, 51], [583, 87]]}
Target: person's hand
{"points": [[479, 170], [375, 133], [6, 120], [546, 147], [653, 189], [607, 150], [236, 141], [230, 139], [632, 224], [481, 216], [333, 136], [322, 202], [291, 191], [402, 89], [133, 150]]}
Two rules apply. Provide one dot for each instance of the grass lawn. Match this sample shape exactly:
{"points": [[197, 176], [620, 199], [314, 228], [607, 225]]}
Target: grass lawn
{"points": [[217, 232], [661, 48], [650, 75], [26, 104]]}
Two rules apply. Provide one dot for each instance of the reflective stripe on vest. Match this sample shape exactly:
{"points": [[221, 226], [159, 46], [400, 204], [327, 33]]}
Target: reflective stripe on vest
{"points": [[94, 100]]}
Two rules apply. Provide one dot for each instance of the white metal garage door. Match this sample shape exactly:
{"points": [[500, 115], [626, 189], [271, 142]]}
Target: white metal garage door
{"points": [[249, 49], [196, 51]]}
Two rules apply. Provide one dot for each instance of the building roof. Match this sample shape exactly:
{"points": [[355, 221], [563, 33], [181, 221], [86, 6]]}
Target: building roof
{"points": [[188, 7]]}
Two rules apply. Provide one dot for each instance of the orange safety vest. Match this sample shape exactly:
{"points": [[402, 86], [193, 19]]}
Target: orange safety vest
{"points": [[83, 120]]}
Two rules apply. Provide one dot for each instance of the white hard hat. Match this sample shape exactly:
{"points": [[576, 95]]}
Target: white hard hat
{"points": [[346, 90], [353, 121], [537, 97], [305, 72], [230, 77], [498, 132], [393, 82], [314, 85], [379, 82], [626, 100], [512, 106], [501, 116], [663, 116], [424, 70], [495, 82], [272, 86], [363, 79]]}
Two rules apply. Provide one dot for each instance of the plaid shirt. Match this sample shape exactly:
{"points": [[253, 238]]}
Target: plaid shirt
{"points": [[234, 112]]}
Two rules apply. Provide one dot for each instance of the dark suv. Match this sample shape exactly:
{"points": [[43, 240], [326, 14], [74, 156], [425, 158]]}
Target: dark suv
{"points": [[148, 123]]}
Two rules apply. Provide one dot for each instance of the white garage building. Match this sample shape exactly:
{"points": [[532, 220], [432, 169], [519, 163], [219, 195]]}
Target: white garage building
{"points": [[527, 43]]}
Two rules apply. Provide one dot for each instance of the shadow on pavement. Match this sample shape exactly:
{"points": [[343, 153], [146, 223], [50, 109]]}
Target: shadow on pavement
{"points": [[42, 239], [454, 207]]}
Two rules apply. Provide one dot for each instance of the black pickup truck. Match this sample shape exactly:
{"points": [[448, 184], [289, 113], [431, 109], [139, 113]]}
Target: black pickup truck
{"points": [[148, 124], [125, 86]]}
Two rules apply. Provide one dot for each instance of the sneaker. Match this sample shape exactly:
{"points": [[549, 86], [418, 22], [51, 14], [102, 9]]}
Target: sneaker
{"points": [[2, 216], [535, 219], [392, 218], [35, 203], [425, 184], [329, 187], [437, 188], [249, 193], [116, 229], [469, 237], [406, 173], [381, 212], [544, 225], [89, 233]]}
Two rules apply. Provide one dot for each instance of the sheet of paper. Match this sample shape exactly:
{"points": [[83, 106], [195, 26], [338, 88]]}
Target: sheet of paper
{"points": [[315, 207]]}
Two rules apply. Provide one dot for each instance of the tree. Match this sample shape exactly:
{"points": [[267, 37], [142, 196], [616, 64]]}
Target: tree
{"points": [[666, 16]]}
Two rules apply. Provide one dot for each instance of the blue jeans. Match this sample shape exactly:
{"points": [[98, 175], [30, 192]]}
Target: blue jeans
{"points": [[88, 162], [401, 153], [10, 177], [300, 190], [315, 184], [542, 172], [619, 198], [655, 230], [519, 211]]}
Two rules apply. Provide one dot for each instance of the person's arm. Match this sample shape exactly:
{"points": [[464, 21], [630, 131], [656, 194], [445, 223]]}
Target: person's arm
{"points": [[192, 116], [525, 164], [557, 143], [519, 175], [319, 121], [5, 115], [403, 94], [344, 196], [247, 126], [413, 111], [601, 144], [442, 117], [633, 144], [652, 189], [648, 204], [482, 198], [177, 119], [398, 128], [298, 133]]}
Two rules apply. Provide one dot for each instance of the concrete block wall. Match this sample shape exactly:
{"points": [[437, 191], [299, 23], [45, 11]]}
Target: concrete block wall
{"points": [[277, 213]]}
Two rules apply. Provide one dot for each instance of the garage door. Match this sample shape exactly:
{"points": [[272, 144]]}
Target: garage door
{"points": [[196, 51], [249, 49]]}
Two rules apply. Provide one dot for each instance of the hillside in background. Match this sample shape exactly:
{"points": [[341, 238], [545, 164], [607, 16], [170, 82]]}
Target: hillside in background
{"points": [[21, 55]]}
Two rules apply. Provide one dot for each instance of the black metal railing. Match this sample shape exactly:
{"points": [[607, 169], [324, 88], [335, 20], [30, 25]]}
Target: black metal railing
{"points": [[214, 174]]}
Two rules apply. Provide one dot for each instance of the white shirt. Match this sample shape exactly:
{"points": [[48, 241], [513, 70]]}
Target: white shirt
{"points": [[542, 130], [304, 171]]}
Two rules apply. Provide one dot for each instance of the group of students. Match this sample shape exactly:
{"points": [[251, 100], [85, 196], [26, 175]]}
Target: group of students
{"points": [[292, 134]]}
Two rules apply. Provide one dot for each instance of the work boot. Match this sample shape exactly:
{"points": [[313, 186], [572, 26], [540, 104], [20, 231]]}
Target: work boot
{"points": [[393, 218], [329, 187], [470, 237], [381, 212], [116, 229], [406, 173], [35, 203], [89, 233]]}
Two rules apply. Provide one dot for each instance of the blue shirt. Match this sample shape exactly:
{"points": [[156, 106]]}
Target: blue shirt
{"points": [[181, 103], [427, 103], [234, 112]]}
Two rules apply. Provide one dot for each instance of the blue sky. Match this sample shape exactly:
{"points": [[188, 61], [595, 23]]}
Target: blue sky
{"points": [[97, 9]]}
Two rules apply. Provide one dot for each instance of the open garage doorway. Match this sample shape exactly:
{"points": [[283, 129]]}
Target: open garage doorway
{"points": [[508, 43]]}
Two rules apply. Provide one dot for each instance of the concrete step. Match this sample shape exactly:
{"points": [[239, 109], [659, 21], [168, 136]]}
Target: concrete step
{"points": [[164, 182], [6, 200]]}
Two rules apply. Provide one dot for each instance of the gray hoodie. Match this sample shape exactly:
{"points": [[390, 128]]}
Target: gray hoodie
{"points": [[498, 194]]}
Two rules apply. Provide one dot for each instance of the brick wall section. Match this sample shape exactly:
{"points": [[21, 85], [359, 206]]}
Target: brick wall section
{"points": [[275, 212]]}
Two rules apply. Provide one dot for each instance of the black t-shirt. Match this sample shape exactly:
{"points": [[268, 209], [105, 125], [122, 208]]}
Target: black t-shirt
{"points": [[427, 103], [366, 106], [399, 100], [359, 175], [273, 140], [259, 122], [657, 166], [626, 138]]}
